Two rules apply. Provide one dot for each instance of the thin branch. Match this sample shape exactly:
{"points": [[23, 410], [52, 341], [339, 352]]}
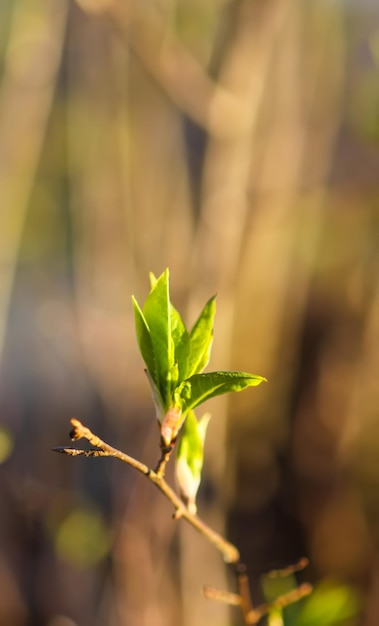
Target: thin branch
{"points": [[229, 552], [164, 459], [227, 549], [254, 615], [227, 597], [244, 590], [75, 452], [291, 569], [280, 603]]}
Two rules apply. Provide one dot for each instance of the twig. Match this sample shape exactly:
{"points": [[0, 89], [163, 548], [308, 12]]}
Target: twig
{"points": [[280, 603], [254, 615], [227, 597], [229, 552], [242, 599], [165, 457], [243, 588], [291, 569]]}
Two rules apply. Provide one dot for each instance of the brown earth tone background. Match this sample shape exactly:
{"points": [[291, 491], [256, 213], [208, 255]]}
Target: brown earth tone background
{"points": [[237, 142]]}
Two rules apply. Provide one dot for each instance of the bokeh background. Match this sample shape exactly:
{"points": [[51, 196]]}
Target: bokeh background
{"points": [[237, 142]]}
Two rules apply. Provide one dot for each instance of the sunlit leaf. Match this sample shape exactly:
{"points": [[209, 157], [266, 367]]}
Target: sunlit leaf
{"points": [[156, 311], [181, 344], [144, 340], [211, 384], [175, 359], [201, 339]]}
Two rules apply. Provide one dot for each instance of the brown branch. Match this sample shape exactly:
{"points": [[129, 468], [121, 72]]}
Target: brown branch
{"points": [[280, 603], [254, 615], [164, 459], [243, 588], [291, 569], [242, 599], [229, 552], [227, 597]]}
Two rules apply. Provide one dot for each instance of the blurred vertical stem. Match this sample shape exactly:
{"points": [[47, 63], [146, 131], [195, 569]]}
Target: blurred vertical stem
{"points": [[126, 171], [297, 144], [32, 61], [296, 151], [222, 227]]}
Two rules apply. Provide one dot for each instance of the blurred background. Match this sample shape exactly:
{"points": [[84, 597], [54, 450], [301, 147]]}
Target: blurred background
{"points": [[235, 141]]}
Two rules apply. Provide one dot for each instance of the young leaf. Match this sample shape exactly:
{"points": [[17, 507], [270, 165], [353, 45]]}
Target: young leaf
{"points": [[201, 339], [181, 344], [211, 384], [189, 460], [144, 339], [157, 397], [153, 279], [156, 311]]}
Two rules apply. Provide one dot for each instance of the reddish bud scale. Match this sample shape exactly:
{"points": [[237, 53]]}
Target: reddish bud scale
{"points": [[171, 424]]}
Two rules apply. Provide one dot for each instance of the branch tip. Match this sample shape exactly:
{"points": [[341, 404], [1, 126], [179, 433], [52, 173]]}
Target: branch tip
{"points": [[291, 569], [69, 451], [227, 597], [77, 429], [60, 449]]}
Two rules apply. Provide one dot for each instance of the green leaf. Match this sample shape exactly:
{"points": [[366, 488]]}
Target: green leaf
{"points": [[157, 313], [157, 397], [153, 279], [163, 340], [144, 339], [190, 456], [330, 604], [181, 345], [211, 384], [201, 339], [175, 359]]}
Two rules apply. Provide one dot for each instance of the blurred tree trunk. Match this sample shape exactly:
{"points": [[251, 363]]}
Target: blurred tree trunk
{"points": [[294, 148], [32, 60]]}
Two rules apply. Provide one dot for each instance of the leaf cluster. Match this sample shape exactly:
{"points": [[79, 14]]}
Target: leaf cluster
{"points": [[175, 359]]}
